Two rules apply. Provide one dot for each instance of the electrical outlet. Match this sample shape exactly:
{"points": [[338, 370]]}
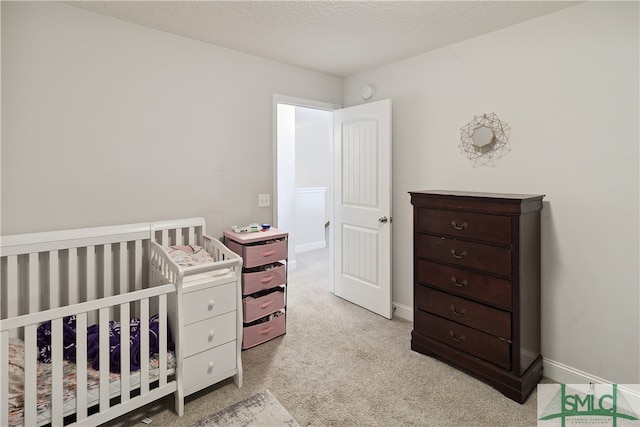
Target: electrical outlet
{"points": [[264, 200]]}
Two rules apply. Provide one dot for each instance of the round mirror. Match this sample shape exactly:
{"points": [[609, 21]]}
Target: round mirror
{"points": [[483, 136]]}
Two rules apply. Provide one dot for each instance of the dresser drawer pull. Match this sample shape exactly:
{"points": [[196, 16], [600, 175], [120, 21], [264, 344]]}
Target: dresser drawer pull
{"points": [[268, 253], [456, 339], [211, 365], [266, 279], [266, 331], [456, 312], [461, 284], [211, 335], [211, 304], [455, 255], [266, 304], [459, 227]]}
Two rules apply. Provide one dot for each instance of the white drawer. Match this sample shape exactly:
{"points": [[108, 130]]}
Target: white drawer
{"points": [[209, 302], [206, 366], [209, 333]]}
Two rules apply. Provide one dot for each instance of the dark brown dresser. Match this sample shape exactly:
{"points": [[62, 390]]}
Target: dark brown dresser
{"points": [[477, 285]]}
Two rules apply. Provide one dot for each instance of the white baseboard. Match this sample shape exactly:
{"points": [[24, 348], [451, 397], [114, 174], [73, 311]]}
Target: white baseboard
{"points": [[402, 311], [565, 374], [306, 247]]}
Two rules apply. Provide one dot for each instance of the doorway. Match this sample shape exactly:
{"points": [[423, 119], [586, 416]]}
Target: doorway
{"points": [[360, 174], [303, 140]]}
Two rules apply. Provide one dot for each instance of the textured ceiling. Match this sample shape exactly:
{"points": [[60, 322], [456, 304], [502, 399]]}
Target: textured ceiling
{"points": [[334, 37]]}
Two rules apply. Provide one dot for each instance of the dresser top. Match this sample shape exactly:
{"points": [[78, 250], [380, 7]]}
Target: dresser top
{"points": [[252, 237], [500, 203], [479, 194]]}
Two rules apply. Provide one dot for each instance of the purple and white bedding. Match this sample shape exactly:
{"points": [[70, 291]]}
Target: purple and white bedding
{"points": [[44, 370], [69, 342], [16, 383]]}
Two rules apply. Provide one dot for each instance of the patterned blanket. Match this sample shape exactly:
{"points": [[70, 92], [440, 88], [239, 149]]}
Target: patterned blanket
{"points": [[189, 255], [69, 342]]}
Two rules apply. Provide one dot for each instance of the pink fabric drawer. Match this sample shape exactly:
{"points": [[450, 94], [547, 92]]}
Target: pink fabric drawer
{"points": [[257, 334], [262, 306], [264, 254], [260, 280]]}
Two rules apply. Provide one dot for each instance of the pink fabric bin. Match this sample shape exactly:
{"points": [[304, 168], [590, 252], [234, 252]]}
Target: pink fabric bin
{"points": [[262, 332], [262, 306], [265, 254], [260, 280], [256, 255]]}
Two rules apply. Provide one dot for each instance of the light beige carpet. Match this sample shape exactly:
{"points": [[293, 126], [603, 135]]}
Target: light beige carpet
{"points": [[261, 409]]}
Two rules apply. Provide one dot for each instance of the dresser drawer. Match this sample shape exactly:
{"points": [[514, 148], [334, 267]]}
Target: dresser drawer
{"points": [[264, 279], [256, 308], [257, 334], [485, 346], [209, 302], [475, 315], [261, 254], [491, 259], [478, 286], [209, 333], [204, 367], [467, 225]]}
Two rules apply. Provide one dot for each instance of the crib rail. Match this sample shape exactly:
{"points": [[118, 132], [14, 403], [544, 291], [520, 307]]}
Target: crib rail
{"points": [[165, 268], [151, 387], [41, 271], [188, 231]]}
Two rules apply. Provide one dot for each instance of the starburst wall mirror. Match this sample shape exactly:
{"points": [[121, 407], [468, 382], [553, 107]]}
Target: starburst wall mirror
{"points": [[484, 140]]}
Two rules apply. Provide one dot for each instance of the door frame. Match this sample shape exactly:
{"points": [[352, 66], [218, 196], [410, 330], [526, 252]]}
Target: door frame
{"points": [[306, 103]]}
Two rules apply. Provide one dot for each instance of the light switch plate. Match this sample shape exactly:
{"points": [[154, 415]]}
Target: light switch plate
{"points": [[264, 200]]}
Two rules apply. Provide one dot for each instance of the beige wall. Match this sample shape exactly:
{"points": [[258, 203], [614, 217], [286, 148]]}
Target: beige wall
{"points": [[106, 122], [567, 83]]}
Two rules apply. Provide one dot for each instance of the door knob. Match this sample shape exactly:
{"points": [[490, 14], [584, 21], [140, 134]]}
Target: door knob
{"points": [[383, 219]]}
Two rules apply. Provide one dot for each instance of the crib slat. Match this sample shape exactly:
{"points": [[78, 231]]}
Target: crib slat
{"points": [[73, 292], [30, 375], [137, 284], [34, 283], [192, 236], [107, 275], [162, 331], [104, 358], [12, 287], [81, 367], [125, 352], [56, 373], [124, 268], [4, 379], [54, 279], [144, 345], [164, 240], [91, 274]]}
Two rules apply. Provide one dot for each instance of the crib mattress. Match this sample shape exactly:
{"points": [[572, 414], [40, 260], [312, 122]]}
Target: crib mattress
{"points": [[93, 388]]}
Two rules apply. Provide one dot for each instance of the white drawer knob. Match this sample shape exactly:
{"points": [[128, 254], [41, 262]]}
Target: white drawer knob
{"points": [[211, 365], [211, 303], [211, 335]]}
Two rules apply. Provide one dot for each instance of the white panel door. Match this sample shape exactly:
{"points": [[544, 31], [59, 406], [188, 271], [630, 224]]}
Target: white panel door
{"points": [[362, 206]]}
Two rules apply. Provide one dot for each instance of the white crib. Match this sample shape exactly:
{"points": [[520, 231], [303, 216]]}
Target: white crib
{"points": [[206, 311], [97, 275]]}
